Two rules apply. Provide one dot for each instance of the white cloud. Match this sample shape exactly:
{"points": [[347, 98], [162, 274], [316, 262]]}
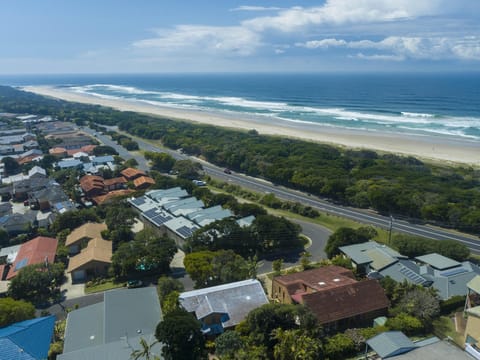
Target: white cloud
{"points": [[400, 48], [323, 44], [256, 8], [379, 57], [228, 39], [338, 12]]}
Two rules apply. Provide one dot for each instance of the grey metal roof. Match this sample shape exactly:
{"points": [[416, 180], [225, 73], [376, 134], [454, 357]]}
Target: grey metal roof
{"points": [[65, 164], [390, 343], [359, 253], [404, 270], [434, 350], [188, 203], [10, 252], [246, 221], [438, 261], [236, 299], [112, 329], [204, 217], [172, 193], [121, 349], [181, 226], [474, 284], [84, 328], [131, 310]]}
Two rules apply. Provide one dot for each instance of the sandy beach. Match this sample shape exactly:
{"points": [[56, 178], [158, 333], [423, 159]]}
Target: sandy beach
{"points": [[425, 147]]}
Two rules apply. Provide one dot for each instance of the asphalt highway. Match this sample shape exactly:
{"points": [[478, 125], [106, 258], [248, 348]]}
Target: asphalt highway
{"points": [[262, 186]]}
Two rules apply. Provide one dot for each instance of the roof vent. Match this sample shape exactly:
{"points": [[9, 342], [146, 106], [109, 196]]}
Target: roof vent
{"points": [[248, 297], [336, 280], [321, 283], [92, 337]]}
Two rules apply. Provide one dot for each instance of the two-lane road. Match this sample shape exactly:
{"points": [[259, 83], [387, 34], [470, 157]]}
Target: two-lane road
{"points": [[362, 216]]}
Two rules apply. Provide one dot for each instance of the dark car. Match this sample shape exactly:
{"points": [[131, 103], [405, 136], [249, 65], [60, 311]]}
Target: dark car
{"points": [[227, 171], [134, 284]]}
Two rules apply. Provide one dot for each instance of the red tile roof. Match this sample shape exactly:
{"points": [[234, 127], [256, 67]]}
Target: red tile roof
{"points": [[131, 173], [117, 180], [101, 199], [143, 182], [32, 252], [346, 301], [322, 278]]}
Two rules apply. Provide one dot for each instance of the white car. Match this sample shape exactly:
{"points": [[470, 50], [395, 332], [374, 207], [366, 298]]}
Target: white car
{"points": [[199, 182]]}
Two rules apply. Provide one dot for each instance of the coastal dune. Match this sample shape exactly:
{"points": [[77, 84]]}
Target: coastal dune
{"points": [[438, 148]]}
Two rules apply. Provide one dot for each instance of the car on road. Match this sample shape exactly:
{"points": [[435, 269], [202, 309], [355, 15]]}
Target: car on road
{"points": [[131, 284], [227, 171], [199, 182]]}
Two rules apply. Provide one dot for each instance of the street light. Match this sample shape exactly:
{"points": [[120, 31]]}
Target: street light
{"points": [[390, 230]]}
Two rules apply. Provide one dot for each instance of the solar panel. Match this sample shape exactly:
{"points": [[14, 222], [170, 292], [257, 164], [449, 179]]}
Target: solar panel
{"points": [[150, 213], [160, 219], [185, 231], [454, 272], [139, 201], [412, 275], [22, 263]]}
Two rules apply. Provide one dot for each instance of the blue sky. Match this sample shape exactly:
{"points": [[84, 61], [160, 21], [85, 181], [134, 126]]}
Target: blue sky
{"points": [[127, 36]]}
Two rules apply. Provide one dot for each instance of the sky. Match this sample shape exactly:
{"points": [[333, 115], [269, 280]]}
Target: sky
{"points": [[171, 36]]}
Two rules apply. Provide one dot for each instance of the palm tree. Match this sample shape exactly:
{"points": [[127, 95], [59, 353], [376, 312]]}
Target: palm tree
{"points": [[145, 352]]}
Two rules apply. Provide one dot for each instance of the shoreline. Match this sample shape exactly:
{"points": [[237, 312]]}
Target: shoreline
{"points": [[428, 148]]}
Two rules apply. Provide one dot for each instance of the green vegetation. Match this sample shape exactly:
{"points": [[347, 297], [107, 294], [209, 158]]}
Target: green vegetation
{"points": [[12, 311], [390, 184], [94, 286], [180, 334], [37, 283]]}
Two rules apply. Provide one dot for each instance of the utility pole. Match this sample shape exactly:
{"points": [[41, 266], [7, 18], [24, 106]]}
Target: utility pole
{"points": [[390, 230]]}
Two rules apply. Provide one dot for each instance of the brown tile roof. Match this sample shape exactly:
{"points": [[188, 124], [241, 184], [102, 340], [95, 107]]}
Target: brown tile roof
{"points": [[88, 148], [117, 180], [32, 252], [131, 173], [316, 279], [27, 159], [143, 181], [90, 182], [98, 250], [346, 301], [101, 199], [88, 230], [57, 151]]}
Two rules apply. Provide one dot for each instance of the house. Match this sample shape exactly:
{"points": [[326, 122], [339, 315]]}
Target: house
{"points": [[92, 261], [114, 183], [334, 296], [46, 198], [370, 256], [131, 174], [472, 312], [92, 185], [112, 329], [27, 340], [224, 306], [394, 345], [106, 198], [58, 152], [40, 250], [143, 182], [447, 276], [70, 164], [79, 237], [17, 223]]}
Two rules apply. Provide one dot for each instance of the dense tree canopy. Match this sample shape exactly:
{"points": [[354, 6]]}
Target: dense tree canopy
{"points": [[209, 268], [147, 253], [12, 311], [347, 236], [391, 184], [37, 283], [180, 334]]}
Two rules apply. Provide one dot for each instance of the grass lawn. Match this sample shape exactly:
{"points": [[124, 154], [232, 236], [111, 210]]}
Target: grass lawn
{"points": [[108, 285]]}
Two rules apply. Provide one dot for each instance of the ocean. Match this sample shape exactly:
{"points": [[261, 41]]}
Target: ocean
{"points": [[431, 105]]}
